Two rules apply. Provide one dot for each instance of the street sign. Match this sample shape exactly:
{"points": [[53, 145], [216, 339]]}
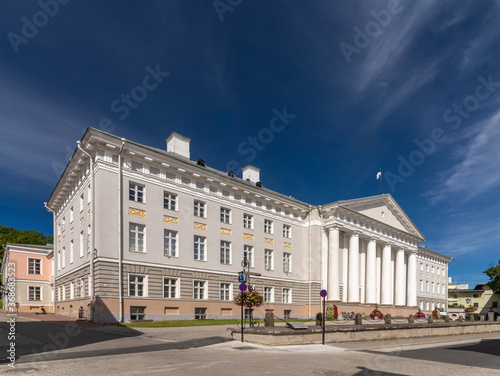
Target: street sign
{"points": [[252, 273], [243, 287], [241, 278], [322, 293]]}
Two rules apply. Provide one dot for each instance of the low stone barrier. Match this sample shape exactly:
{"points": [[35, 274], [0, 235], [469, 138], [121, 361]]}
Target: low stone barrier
{"points": [[282, 336]]}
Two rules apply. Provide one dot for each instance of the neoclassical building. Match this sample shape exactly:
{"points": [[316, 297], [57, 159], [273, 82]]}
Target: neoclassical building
{"points": [[142, 232]]}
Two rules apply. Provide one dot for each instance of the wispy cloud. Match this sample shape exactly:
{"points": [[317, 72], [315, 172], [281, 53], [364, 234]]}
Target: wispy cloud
{"points": [[477, 170]]}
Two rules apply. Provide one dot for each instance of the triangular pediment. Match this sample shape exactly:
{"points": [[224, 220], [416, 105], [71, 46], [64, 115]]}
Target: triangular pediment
{"points": [[383, 209]]}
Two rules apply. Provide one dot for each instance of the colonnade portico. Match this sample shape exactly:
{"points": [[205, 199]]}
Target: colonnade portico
{"points": [[378, 271]]}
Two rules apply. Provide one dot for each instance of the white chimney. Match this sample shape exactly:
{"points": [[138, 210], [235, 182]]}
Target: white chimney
{"points": [[252, 173], [178, 144]]}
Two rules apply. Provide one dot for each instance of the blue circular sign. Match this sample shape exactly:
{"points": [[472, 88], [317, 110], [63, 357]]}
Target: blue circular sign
{"points": [[322, 293], [243, 287]]}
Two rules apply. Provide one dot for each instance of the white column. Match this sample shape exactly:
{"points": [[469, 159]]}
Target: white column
{"points": [[324, 260], [333, 264], [362, 271], [400, 287], [371, 265], [385, 293], [412, 280], [353, 294]]}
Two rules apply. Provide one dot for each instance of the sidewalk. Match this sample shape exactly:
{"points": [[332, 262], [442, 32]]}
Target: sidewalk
{"points": [[59, 319]]}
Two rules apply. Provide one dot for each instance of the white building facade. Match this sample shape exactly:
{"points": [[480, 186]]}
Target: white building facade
{"points": [[144, 233]]}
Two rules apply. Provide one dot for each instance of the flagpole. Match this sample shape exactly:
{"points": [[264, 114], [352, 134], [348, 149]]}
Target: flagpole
{"points": [[381, 180]]}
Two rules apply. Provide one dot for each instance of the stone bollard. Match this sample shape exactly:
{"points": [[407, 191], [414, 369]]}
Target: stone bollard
{"points": [[358, 319], [491, 316], [319, 319], [387, 318], [411, 319], [430, 320], [460, 318], [269, 318], [498, 319], [471, 318], [481, 318], [447, 319]]}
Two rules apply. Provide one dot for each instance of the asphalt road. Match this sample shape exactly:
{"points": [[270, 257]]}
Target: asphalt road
{"points": [[45, 348]]}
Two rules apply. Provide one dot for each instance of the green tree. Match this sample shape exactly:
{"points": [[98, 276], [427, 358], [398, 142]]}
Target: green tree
{"points": [[494, 275], [12, 235]]}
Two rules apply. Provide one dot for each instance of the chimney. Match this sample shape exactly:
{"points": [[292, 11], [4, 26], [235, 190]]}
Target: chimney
{"points": [[252, 173], [178, 144]]}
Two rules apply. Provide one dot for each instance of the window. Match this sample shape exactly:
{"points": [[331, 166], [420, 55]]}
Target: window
{"points": [[170, 243], [421, 267], [494, 304], [81, 244], [71, 290], [64, 257], [268, 294], [476, 305], [59, 293], [225, 252], [199, 289], [71, 252], [455, 296], [248, 254], [170, 288], [81, 202], [64, 292], [287, 313], [287, 231], [199, 209], [136, 238], [438, 271], [438, 288], [287, 262], [287, 295], [426, 286], [433, 288], [80, 289], [136, 192], [225, 291], [169, 201], [34, 293], [58, 260], [200, 313], [137, 313], [89, 195], [199, 248], [427, 268], [225, 215], [136, 285], [421, 286], [247, 221], [475, 296], [268, 226], [34, 266], [71, 215], [433, 269], [268, 259]]}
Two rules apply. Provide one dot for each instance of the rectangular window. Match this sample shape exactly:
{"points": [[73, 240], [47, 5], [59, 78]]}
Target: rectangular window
{"points": [[433, 288], [421, 267], [170, 243], [247, 221], [494, 304], [71, 290], [225, 291], [438, 271], [268, 259], [82, 201], [225, 215], [426, 286], [433, 269], [268, 294], [80, 289], [64, 257], [58, 293], [136, 238], [287, 313], [268, 226], [287, 295], [89, 195], [421, 286], [137, 313], [199, 248], [438, 288], [248, 254], [200, 313], [475, 296], [225, 252], [170, 288], [136, 192], [58, 260], [476, 305], [199, 209], [287, 262], [71, 216], [287, 231], [427, 268], [34, 293], [136, 285], [81, 244], [34, 266], [169, 201], [71, 251], [199, 289]]}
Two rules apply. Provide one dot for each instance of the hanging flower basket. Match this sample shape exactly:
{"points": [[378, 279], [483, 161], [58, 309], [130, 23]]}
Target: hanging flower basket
{"points": [[470, 309], [420, 315], [250, 299], [376, 314]]}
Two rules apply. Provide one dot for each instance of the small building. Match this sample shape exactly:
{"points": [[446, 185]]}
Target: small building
{"points": [[481, 297], [27, 275]]}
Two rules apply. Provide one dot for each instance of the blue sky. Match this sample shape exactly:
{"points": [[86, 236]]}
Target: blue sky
{"points": [[412, 87]]}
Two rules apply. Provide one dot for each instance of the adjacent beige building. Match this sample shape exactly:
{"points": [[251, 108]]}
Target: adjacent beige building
{"points": [[145, 233]]}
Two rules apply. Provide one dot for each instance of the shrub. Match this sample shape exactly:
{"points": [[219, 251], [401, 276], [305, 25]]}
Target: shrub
{"points": [[420, 315], [376, 314]]}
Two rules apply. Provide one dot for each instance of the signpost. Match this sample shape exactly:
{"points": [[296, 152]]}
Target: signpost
{"points": [[243, 288], [323, 294]]}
